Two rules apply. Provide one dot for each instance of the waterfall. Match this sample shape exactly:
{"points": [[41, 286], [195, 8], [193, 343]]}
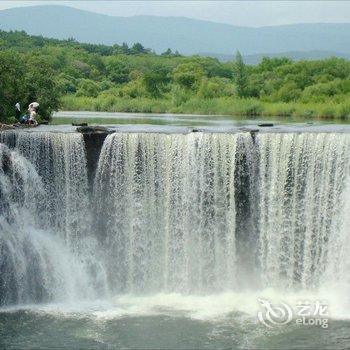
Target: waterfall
{"points": [[214, 212], [169, 209], [60, 162], [302, 181], [198, 213], [47, 252]]}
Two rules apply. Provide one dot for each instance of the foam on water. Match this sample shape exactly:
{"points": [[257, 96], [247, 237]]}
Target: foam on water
{"points": [[211, 308], [199, 225]]}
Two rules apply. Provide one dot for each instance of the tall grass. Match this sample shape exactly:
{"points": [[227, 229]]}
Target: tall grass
{"points": [[213, 106]]}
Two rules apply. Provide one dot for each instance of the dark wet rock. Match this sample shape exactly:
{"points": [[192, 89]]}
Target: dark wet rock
{"points": [[93, 129], [93, 145], [253, 134], [94, 137], [265, 124], [196, 130], [79, 124]]}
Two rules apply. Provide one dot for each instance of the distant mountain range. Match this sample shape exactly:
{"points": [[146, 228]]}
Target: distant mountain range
{"points": [[294, 55], [188, 36]]}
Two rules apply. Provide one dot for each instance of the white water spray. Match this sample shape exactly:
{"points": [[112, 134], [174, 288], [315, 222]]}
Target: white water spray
{"points": [[46, 248], [197, 214]]}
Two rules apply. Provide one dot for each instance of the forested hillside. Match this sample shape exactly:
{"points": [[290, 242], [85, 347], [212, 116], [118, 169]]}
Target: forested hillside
{"points": [[70, 75]]}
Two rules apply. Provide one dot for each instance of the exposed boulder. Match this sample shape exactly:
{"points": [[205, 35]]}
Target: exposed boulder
{"points": [[266, 124], [93, 129]]}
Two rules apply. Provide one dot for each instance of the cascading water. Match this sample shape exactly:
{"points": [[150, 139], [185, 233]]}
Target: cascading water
{"points": [[60, 162], [169, 201], [46, 249], [302, 185], [198, 213], [172, 204]]}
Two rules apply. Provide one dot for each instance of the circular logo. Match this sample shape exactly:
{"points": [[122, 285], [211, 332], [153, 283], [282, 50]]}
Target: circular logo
{"points": [[274, 315]]}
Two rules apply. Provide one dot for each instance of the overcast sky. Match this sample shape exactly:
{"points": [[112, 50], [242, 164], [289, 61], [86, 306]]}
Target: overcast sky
{"points": [[245, 13]]}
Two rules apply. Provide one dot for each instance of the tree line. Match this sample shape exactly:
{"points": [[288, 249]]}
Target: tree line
{"points": [[68, 74]]}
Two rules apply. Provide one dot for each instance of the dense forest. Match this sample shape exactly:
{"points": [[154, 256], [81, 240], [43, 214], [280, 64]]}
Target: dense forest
{"points": [[65, 74]]}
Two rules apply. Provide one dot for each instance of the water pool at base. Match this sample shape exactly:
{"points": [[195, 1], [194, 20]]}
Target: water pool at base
{"points": [[160, 322]]}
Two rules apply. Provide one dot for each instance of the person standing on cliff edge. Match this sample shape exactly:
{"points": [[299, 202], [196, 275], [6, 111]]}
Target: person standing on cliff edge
{"points": [[32, 109], [17, 110]]}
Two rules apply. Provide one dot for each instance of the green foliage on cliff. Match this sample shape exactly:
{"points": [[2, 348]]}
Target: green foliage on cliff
{"points": [[122, 78], [26, 79]]}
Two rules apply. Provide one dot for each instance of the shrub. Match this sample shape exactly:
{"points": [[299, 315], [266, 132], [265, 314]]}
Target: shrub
{"points": [[215, 87], [343, 110], [288, 92], [12, 120], [133, 89], [187, 75], [88, 88]]}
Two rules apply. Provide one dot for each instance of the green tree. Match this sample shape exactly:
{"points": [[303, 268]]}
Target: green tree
{"points": [[155, 82], [240, 76], [118, 70], [67, 84], [215, 87], [288, 92], [88, 88], [269, 64], [26, 79], [188, 75], [167, 53], [12, 88], [137, 49], [40, 82], [125, 48]]}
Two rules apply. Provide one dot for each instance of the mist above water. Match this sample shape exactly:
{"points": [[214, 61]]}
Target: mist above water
{"points": [[175, 219]]}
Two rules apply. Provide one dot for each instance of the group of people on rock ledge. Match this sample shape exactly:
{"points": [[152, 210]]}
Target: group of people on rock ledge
{"points": [[30, 116]]}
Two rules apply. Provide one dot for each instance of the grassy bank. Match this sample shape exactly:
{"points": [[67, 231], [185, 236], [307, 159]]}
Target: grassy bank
{"points": [[213, 106]]}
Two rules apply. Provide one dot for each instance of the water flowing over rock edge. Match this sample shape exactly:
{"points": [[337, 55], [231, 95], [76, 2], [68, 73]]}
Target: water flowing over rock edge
{"points": [[198, 189]]}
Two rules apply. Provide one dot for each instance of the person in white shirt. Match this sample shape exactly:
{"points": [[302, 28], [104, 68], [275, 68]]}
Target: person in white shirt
{"points": [[32, 118], [32, 108], [17, 110]]}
